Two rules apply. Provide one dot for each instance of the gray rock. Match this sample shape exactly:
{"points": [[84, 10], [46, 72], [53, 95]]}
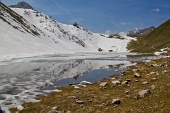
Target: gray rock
{"points": [[137, 75], [116, 70], [90, 100], [124, 82], [144, 83], [136, 97], [136, 80], [79, 101], [54, 108], [52, 111], [143, 93], [152, 86], [153, 79], [129, 80], [103, 84], [1, 110], [128, 96], [116, 101], [127, 92], [72, 97], [116, 82], [68, 112]]}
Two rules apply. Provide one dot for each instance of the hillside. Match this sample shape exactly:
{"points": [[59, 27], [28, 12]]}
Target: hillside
{"points": [[157, 39], [26, 33]]}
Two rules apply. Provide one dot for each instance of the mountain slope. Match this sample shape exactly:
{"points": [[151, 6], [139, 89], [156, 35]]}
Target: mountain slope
{"points": [[30, 33], [154, 41]]}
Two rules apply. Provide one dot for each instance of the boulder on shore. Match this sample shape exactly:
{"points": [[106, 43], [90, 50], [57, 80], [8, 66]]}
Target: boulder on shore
{"points": [[143, 93]]}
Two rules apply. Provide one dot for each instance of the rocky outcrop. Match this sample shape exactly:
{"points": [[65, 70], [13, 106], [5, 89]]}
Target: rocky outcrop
{"points": [[23, 5]]}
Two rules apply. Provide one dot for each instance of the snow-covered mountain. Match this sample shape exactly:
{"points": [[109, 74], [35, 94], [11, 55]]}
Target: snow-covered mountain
{"points": [[140, 31], [26, 32]]}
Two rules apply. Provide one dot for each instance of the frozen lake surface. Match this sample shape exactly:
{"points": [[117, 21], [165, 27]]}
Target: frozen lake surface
{"points": [[22, 80]]}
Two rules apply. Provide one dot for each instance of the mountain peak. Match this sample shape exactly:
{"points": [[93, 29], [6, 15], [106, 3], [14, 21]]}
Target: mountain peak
{"points": [[23, 5]]}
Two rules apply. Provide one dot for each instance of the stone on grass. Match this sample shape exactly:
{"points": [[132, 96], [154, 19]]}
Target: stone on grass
{"points": [[52, 111], [144, 83], [153, 79], [68, 112], [137, 75], [129, 80], [143, 93], [127, 92], [124, 82], [128, 96], [103, 84], [152, 86], [116, 101], [71, 97], [79, 101], [136, 80], [116, 82]]}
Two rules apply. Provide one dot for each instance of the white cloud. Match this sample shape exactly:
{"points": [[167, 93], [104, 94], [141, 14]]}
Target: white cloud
{"points": [[125, 23], [155, 10], [108, 32]]}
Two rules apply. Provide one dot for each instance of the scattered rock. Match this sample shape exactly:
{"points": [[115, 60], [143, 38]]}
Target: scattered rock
{"points": [[152, 86], [103, 84], [128, 85], [153, 79], [151, 73], [116, 82], [129, 80], [152, 65], [128, 96], [84, 83], [143, 93], [70, 84], [54, 108], [136, 80], [1, 110], [113, 78], [116, 70], [115, 106], [137, 75], [124, 82], [123, 73], [79, 101], [136, 97], [144, 83], [68, 112], [76, 86], [71, 97], [52, 111], [116, 101], [90, 100], [127, 92]]}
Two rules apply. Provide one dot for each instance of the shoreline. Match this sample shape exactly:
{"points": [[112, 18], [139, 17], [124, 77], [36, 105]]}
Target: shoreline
{"points": [[94, 97]]}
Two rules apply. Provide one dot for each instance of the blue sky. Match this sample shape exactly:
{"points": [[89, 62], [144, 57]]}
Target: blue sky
{"points": [[104, 16]]}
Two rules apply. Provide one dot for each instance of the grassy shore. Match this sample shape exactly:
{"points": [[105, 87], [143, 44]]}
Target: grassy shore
{"points": [[155, 76]]}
